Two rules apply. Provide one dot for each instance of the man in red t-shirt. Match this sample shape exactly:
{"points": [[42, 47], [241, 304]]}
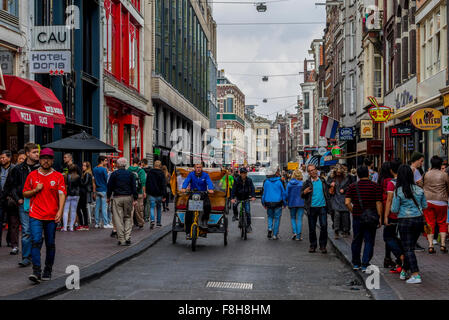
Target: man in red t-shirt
{"points": [[46, 190]]}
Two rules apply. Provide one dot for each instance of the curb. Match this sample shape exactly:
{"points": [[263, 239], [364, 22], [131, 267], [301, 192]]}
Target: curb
{"points": [[344, 253], [58, 286]]}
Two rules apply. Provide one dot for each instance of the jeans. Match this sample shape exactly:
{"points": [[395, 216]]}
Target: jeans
{"points": [[156, 202], [313, 215], [296, 218], [342, 221], [410, 229], [147, 209], [26, 233], [48, 228], [274, 219], [71, 204], [248, 212], [392, 242], [362, 234], [103, 205]]}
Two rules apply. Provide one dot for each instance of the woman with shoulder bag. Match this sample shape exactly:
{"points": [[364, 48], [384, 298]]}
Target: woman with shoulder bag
{"points": [[73, 183], [273, 199], [86, 190], [409, 201], [339, 182]]}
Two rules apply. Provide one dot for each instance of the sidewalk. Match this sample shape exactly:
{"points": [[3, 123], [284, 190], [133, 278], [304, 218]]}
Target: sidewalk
{"points": [[93, 251], [434, 270]]}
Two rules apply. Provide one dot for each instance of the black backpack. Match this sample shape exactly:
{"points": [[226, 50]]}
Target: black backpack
{"points": [[138, 182]]}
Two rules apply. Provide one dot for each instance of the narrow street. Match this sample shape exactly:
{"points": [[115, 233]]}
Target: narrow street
{"points": [[277, 270]]}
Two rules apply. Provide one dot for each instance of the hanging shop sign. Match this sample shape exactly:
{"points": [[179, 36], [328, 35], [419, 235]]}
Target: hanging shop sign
{"points": [[446, 100], [50, 62], [366, 129], [445, 124], [401, 131], [426, 119], [378, 113], [346, 134], [336, 152]]}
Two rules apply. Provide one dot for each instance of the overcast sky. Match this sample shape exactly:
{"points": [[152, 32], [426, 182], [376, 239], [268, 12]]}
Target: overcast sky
{"points": [[267, 42]]}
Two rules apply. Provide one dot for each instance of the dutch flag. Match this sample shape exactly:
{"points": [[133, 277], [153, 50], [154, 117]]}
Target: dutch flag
{"points": [[329, 128]]}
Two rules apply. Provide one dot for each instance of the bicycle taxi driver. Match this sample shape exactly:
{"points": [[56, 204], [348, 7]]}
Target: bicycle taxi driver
{"points": [[198, 180]]}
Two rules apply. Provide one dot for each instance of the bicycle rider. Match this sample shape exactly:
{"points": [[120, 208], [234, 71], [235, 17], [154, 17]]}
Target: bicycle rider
{"points": [[243, 189], [199, 181]]}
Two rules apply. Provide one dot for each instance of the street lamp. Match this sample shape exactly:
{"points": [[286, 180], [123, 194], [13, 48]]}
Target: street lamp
{"points": [[265, 79]]}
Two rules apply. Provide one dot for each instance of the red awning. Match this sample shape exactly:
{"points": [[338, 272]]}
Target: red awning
{"points": [[31, 94], [26, 115]]}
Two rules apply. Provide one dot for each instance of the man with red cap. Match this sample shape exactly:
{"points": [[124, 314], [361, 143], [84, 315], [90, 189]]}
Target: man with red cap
{"points": [[46, 190]]}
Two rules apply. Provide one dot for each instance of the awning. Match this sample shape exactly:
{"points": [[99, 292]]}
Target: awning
{"points": [[315, 160], [32, 95], [328, 160], [19, 113]]}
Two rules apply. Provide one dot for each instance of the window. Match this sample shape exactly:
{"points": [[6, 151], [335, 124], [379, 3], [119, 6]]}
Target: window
{"points": [[229, 105], [136, 4], [377, 87], [266, 142], [389, 65], [306, 100], [353, 40], [306, 121], [433, 39], [306, 139], [266, 132], [121, 54], [10, 6], [353, 93], [133, 56]]}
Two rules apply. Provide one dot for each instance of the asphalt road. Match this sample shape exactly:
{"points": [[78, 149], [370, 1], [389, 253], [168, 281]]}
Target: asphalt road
{"points": [[277, 269]]}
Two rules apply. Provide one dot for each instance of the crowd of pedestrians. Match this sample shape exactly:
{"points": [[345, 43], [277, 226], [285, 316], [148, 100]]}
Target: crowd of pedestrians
{"points": [[405, 201], [37, 200]]}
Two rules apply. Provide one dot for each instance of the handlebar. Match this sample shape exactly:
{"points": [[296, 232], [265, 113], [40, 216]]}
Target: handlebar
{"points": [[194, 192]]}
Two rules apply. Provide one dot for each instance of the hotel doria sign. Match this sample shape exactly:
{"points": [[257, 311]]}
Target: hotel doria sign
{"points": [[426, 119]]}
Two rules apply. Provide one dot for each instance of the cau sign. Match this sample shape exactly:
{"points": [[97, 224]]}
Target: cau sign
{"points": [[51, 38]]}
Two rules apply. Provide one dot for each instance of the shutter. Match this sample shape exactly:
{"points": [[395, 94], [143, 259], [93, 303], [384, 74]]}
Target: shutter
{"points": [[405, 59], [413, 52]]}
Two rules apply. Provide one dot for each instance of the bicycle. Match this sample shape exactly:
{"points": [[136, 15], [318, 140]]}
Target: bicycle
{"points": [[243, 219]]}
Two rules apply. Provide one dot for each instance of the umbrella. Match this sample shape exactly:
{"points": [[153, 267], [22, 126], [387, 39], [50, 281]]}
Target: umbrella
{"points": [[81, 141], [315, 160]]}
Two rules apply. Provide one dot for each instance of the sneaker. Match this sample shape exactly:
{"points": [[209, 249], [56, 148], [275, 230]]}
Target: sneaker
{"points": [[63, 230], [414, 279], [356, 267], [113, 234], [152, 225], [14, 251], [275, 238], [364, 269], [323, 250], [270, 234], [396, 270], [85, 229], [108, 226], [434, 242], [35, 277], [403, 275], [298, 238], [336, 235], [128, 243], [203, 225], [71, 229], [294, 236], [388, 263], [24, 263], [312, 250], [97, 226], [46, 275]]}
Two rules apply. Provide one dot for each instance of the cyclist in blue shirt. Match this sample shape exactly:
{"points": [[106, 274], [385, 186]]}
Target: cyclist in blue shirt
{"points": [[198, 180]]}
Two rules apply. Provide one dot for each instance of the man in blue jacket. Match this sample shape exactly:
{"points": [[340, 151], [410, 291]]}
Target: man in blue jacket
{"points": [[273, 199], [315, 193]]}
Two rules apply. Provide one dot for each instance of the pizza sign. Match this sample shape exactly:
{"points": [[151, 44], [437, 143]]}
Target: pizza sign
{"points": [[378, 113]]}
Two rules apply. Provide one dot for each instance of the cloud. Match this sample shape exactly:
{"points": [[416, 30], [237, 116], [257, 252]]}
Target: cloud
{"points": [[267, 42]]}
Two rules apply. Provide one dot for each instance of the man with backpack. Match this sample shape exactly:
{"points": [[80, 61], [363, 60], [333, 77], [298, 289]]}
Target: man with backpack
{"points": [[141, 179]]}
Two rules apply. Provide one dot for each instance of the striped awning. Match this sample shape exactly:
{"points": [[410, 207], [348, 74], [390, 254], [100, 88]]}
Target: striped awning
{"points": [[315, 160]]}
